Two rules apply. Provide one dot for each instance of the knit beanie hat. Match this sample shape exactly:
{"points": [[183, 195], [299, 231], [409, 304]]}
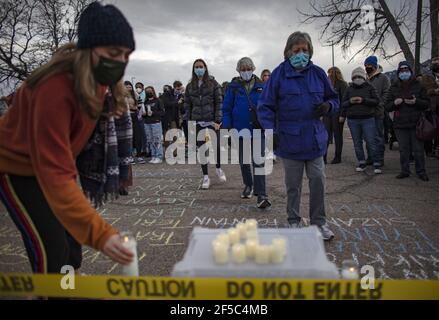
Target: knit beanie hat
{"points": [[104, 26], [404, 64], [372, 60], [359, 72]]}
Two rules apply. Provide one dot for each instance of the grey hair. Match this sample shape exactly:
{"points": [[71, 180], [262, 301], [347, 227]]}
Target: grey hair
{"points": [[246, 61], [295, 38]]}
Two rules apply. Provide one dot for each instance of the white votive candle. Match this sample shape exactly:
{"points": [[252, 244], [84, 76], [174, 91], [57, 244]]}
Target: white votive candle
{"points": [[262, 255], [350, 274], [242, 229], [220, 253], [280, 243], [129, 242], [238, 253], [250, 247], [276, 254], [252, 235], [251, 224], [224, 238], [233, 236]]}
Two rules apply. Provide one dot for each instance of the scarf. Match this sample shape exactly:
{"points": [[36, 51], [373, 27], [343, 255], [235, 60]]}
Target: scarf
{"points": [[105, 159]]}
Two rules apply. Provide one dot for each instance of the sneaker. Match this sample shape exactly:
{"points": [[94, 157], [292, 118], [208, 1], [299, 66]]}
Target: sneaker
{"points": [[206, 183], [377, 170], [423, 177], [221, 175], [140, 160], [158, 160], [361, 167], [327, 234], [263, 202], [402, 175], [247, 193], [152, 160], [132, 161], [123, 191], [336, 160]]}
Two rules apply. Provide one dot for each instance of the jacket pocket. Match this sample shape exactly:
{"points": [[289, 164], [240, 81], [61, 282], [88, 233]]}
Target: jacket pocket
{"points": [[290, 139], [321, 136]]}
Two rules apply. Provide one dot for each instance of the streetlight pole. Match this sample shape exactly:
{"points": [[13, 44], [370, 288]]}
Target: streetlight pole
{"points": [[333, 62]]}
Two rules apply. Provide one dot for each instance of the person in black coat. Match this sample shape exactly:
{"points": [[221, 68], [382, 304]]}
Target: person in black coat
{"points": [[408, 99]]}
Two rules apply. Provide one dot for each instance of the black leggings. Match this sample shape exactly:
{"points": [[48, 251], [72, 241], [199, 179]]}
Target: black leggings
{"points": [[217, 150], [49, 246]]}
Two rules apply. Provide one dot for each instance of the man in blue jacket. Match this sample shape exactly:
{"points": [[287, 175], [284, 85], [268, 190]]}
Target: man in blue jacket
{"points": [[295, 98], [239, 112]]}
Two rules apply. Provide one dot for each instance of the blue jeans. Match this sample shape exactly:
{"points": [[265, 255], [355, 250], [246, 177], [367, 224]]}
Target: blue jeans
{"points": [[379, 141], [364, 129], [248, 173], [154, 139]]}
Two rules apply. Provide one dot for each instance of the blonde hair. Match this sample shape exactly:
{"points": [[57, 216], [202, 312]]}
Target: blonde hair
{"points": [[69, 58], [335, 75]]}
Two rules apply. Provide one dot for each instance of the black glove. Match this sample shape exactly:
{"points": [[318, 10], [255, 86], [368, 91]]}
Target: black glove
{"points": [[322, 109]]}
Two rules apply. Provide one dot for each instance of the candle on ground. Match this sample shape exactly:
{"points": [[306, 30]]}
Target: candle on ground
{"points": [[238, 253], [220, 253], [252, 235], [224, 238], [242, 229], [280, 243], [277, 256], [233, 236], [250, 247], [251, 224]]}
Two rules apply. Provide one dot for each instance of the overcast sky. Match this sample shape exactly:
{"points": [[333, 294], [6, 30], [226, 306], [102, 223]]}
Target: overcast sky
{"points": [[171, 34]]}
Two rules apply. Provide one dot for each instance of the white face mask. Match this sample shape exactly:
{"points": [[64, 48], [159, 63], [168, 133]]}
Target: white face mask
{"points": [[246, 75], [358, 82], [139, 90]]}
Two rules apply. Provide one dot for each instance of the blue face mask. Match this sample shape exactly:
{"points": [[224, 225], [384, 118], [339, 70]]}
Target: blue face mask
{"points": [[199, 72], [299, 60], [405, 75], [246, 75]]}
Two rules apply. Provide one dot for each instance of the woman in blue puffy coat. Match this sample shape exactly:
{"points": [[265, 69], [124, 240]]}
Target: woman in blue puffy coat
{"points": [[292, 104], [239, 112]]}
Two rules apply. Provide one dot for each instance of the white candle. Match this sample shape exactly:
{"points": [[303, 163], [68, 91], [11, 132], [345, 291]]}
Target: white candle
{"points": [[262, 254], [276, 254], [233, 235], [280, 244], [350, 273], [129, 242], [238, 253], [242, 229], [221, 253], [224, 238], [250, 247], [251, 224], [252, 235]]}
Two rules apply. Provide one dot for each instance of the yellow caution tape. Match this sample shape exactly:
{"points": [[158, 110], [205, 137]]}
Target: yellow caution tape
{"points": [[121, 287]]}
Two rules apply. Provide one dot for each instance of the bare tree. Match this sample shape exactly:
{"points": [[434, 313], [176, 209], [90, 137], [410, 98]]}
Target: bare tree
{"points": [[344, 23], [31, 31], [434, 26]]}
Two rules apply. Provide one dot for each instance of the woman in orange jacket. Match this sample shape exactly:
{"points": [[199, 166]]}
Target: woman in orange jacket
{"points": [[53, 114]]}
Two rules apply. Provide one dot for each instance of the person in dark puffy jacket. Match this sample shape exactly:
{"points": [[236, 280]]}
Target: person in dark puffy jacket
{"points": [[408, 99], [203, 104], [154, 112], [239, 112], [295, 98], [360, 103]]}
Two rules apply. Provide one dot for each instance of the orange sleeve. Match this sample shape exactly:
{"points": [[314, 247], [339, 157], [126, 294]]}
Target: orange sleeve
{"points": [[55, 168]]}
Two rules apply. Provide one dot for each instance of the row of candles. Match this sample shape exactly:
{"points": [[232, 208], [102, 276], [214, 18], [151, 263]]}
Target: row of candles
{"points": [[250, 249]]}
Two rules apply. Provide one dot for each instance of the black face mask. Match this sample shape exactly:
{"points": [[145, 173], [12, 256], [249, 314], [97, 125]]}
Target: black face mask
{"points": [[149, 95], [370, 70], [108, 72], [435, 68]]}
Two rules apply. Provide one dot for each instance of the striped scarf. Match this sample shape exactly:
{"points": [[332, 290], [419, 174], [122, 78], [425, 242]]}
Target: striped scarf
{"points": [[104, 161]]}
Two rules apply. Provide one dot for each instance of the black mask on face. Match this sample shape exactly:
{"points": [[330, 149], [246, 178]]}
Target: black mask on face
{"points": [[370, 70], [149, 95], [435, 68], [108, 72]]}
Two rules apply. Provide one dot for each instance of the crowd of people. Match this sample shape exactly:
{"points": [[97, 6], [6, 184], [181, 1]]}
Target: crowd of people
{"points": [[102, 126]]}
